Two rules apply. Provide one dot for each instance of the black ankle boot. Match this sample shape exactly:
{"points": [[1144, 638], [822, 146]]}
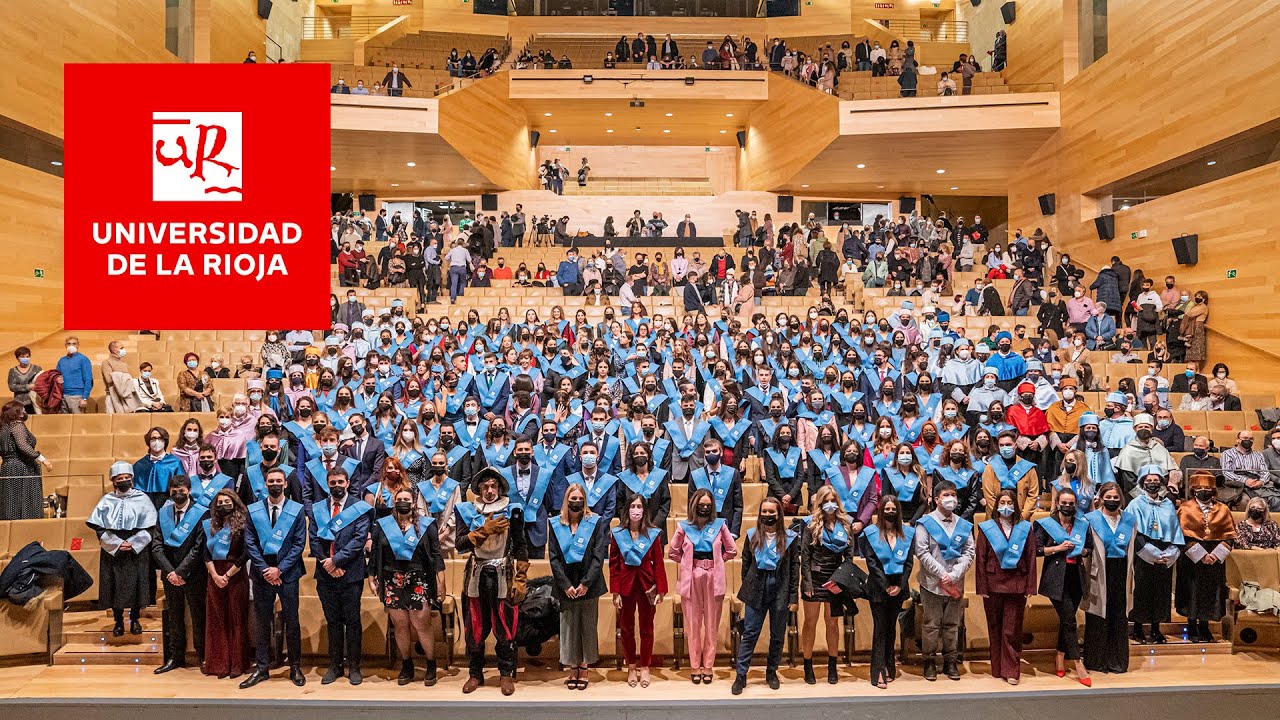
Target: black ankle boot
{"points": [[406, 672], [431, 673], [833, 675], [809, 677], [771, 678]]}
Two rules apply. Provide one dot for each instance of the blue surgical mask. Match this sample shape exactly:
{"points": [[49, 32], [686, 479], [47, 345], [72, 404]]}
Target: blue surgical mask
{"points": [[471, 413], [146, 374], [793, 372], [589, 461], [24, 361], [1007, 452], [1005, 510], [192, 364], [1189, 373], [598, 425], [329, 450]]}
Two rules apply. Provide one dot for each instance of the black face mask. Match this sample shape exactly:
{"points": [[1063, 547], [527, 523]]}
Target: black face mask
{"points": [[1200, 453], [889, 514], [909, 407], [304, 412], [403, 506], [768, 520], [225, 510], [337, 492], [775, 413], [784, 440], [1111, 505], [269, 455], [688, 412], [357, 430], [1069, 468], [860, 416], [576, 506], [206, 465], [1247, 443], [957, 458], [1067, 510], [1255, 513], [704, 511], [123, 486], [1205, 496], [439, 470], [275, 491]]}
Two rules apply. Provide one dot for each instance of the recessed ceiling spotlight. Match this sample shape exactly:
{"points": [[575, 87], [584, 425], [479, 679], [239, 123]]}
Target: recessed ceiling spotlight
{"points": [[412, 164], [1212, 162], [546, 114], [471, 184], [609, 130], [860, 166], [331, 168], [804, 186], [728, 114], [395, 184], [722, 132], [666, 131], [953, 187], [941, 171], [56, 163], [608, 114], [551, 130], [668, 114]]}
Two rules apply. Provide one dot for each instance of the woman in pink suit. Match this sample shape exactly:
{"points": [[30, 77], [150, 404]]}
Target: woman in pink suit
{"points": [[701, 546]]}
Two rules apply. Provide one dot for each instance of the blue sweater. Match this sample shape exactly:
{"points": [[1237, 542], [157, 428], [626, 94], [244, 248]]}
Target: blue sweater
{"points": [[77, 374]]}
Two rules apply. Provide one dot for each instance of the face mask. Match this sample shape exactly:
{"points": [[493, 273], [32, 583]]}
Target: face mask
{"points": [[989, 383], [329, 450], [589, 461], [239, 410], [1204, 496], [1144, 434], [439, 470], [768, 520], [192, 364], [404, 506], [156, 445], [947, 503], [1005, 510], [1111, 505], [224, 510], [304, 412], [123, 486], [270, 455], [784, 440], [337, 492], [71, 349], [191, 435], [1255, 513], [884, 432], [1152, 488], [275, 491], [1067, 510], [206, 465], [1007, 452]]}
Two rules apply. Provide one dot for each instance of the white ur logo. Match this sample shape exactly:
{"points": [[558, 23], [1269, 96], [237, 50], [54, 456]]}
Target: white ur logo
{"points": [[197, 156]]}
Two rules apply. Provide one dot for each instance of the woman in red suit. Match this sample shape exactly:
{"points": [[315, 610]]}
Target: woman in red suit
{"points": [[639, 583], [226, 639]]}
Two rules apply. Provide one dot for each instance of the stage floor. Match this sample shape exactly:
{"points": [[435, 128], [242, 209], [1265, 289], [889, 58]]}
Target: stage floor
{"points": [[1243, 671]]}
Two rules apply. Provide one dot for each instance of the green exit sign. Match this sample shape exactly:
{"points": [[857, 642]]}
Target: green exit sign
{"points": [[39, 273], [1231, 274], [1133, 235]]}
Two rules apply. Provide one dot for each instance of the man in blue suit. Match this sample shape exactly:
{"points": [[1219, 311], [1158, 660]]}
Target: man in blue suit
{"points": [[339, 527], [275, 539], [533, 488]]}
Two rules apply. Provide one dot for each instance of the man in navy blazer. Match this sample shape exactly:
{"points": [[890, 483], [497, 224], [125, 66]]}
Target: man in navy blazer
{"points": [[366, 450], [533, 488], [339, 527], [275, 538]]}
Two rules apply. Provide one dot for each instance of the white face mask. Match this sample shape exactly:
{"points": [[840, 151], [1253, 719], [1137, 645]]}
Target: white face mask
{"points": [[885, 432], [948, 503], [156, 445], [224, 422], [408, 435], [239, 410], [191, 435]]}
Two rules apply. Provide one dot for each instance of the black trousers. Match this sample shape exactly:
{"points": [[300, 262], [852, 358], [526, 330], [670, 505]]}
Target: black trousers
{"points": [[264, 605], [1068, 630], [884, 637], [1106, 639], [433, 282], [178, 601], [341, 604]]}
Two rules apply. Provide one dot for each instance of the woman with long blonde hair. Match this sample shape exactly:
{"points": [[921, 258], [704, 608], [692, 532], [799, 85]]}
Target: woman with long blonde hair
{"points": [[770, 587], [579, 547], [393, 479], [828, 543], [1075, 476]]}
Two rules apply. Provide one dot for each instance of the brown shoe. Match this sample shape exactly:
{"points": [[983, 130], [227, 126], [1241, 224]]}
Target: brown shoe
{"points": [[507, 684], [471, 684]]}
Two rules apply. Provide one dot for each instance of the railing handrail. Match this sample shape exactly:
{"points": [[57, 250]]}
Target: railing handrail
{"points": [[279, 50], [956, 30], [341, 27]]}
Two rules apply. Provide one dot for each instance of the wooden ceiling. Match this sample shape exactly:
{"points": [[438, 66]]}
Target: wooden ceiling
{"points": [[584, 122], [372, 161]]}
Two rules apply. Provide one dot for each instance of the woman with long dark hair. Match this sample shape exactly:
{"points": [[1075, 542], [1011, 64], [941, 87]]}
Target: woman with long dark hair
{"points": [[1005, 576], [639, 583], [887, 547], [226, 639], [769, 590], [406, 572], [1064, 540]]}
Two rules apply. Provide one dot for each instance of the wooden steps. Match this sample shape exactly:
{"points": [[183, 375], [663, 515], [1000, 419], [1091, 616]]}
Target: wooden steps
{"points": [[87, 640], [640, 186]]}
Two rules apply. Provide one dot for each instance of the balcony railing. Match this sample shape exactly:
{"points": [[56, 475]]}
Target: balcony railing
{"points": [[342, 27], [924, 31]]}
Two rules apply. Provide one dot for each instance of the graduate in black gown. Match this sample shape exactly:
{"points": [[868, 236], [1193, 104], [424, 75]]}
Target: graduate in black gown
{"points": [[123, 520]]}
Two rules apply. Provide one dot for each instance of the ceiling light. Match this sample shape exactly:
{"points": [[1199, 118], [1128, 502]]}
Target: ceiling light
{"points": [[412, 164], [1124, 206], [804, 186], [331, 168], [471, 184], [666, 131], [546, 114], [668, 114], [57, 163], [728, 114], [722, 132], [860, 166], [879, 187], [609, 130], [395, 184], [608, 114], [552, 130], [1212, 162], [941, 171], [953, 187]]}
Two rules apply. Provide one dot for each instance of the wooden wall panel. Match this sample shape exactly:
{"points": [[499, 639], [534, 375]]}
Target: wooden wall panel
{"points": [[42, 35], [483, 125], [784, 134], [1035, 41], [234, 30], [31, 218], [635, 161]]}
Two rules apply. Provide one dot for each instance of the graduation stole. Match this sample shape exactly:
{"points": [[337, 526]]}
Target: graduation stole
{"points": [[257, 481], [719, 487], [850, 495], [686, 446], [573, 544], [604, 483], [909, 430], [404, 542], [549, 459], [436, 500], [655, 402], [787, 463], [660, 451], [891, 408], [487, 391], [329, 527], [821, 461], [863, 436], [729, 436], [767, 426], [845, 400], [819, 419], [497, 455], [1059, 535], [320, 475], [1009, 477], [204, 496], [474, 518], [631, 385], [767, 555], [947, 436], [759, 395], [219, 544], [1116, 542], [904, 484], [632, 549], [453, 403], [177, 533], [960, 478], [573, 373], [631, 429], [646, 488], [930, 406], [704, 540], [468, 439], [929, 460], [952, 545], [272, 536], [1009, 549], [891, 559], [835, 538], [608, 449]]}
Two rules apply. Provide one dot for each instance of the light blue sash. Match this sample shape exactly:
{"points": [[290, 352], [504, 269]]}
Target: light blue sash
{"points": [[634, 549], [1009, 549], [176, 534], [573, 545], [436, 500], [648, 487], [767, 555], [719, 488], [328, 527], [1115, 541], [271, 537], [404, 543], [952, 545], [218, 544], [1079, 530], [704, 540], [891, 559], [786, 464]]}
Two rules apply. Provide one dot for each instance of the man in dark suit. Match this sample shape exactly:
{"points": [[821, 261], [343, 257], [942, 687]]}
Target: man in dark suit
{"points": [[1220, 399], [776, 53], [340, 88], [368, 451], [395, 82], [179, 554], [724, 482], [274, 539], [533, 485], [669, 48], [1182, 382], [692, 298], [639, 48], [338, 529], [253, 483], [316, 470], [686, 228], [862, 55]]}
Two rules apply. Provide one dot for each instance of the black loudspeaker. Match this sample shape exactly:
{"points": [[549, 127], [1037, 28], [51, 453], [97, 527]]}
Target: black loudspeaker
{"points": [[1187, 249], [340, 202], [1048, 203], [1106, 227], [906, 204], [1010, 11], [624, 7], [976, 3], [742, 139], [490, 7], [489, 203], [264, 9], [367, 202], [533, 137], [781, 8], [786, 203]]}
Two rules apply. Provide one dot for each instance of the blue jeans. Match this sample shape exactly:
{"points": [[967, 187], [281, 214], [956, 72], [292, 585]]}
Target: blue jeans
{"points": [[1021, 312], [457, 281], [753, 622]]}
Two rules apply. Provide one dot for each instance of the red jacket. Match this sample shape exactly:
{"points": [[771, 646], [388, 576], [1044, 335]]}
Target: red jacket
{"points": [[649, 573]]}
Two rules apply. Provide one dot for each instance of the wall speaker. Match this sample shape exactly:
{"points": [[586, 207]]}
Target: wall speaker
{"points": [[906, 205], [1010, 11], [976, 3], [367, 202], [1187, 249], [742, 139], [786, 203], [264, 9], [489, 203], [1048, 203], [1106, 227], [533, 138], [340, 202]]}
